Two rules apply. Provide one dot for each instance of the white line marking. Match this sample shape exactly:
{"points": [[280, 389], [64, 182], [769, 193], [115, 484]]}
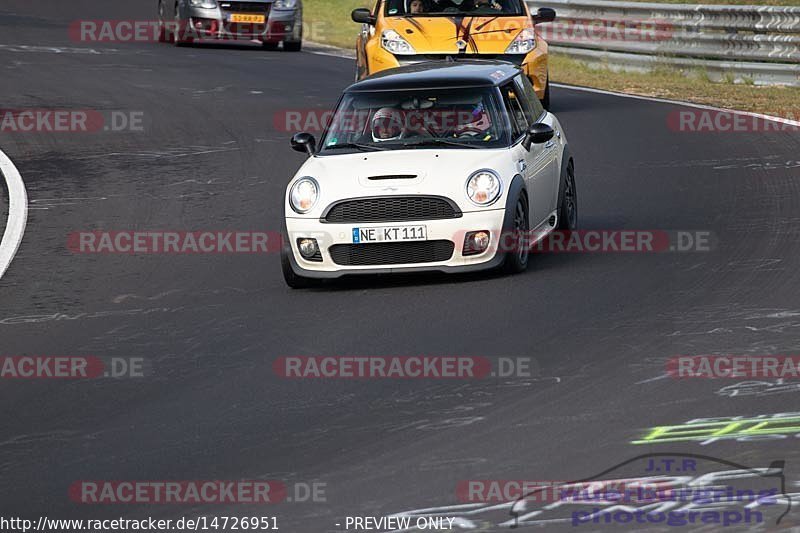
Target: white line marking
{"points": [[338, 52], [17, 213], [677, 102]]}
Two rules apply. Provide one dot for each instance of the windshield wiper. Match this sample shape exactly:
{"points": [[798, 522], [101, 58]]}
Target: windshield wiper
{"points": [[356, 146], [442, 142]]}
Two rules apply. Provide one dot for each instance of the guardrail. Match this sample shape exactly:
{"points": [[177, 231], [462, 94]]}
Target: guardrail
{"points": [[758, 44]]}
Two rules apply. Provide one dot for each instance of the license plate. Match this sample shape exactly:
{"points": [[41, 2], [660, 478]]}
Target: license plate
{"points": [[252, 19], [390, 234]]}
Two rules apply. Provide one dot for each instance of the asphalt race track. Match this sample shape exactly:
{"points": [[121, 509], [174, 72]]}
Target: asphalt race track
{"points": [[600, 326]]}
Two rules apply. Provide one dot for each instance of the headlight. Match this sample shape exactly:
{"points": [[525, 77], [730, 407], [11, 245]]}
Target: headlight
{"points": [[524, 43], [304, 194], [392, 42], [208, 4], [484, 187], [285, 4]]}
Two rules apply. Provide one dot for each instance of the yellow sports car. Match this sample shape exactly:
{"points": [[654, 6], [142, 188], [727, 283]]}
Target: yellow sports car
{"points": [[400, 32]]}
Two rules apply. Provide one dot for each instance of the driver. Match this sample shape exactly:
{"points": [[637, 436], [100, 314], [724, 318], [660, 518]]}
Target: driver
{"points": [[417, 7], [387, 125], [478, 125]]}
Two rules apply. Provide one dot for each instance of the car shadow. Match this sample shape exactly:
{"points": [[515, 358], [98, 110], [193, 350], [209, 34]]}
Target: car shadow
{"points": [[362, 282], [232, 45], [538, 263]]}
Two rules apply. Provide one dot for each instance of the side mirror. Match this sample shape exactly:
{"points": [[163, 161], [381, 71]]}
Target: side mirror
{"points": [[544, 14], [362, 15], [539, 133], [304, 142]]}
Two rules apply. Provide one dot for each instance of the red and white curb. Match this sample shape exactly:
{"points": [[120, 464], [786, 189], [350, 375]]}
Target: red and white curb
{"points": [[17, 212]]}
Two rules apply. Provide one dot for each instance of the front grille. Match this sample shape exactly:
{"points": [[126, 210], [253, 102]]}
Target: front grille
{"points": [[245, 7], [391, 209], [391, 253], [517, 59]]}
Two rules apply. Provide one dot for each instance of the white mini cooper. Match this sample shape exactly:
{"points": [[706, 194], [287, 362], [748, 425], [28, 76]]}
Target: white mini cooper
{"points": [[445, 166]]}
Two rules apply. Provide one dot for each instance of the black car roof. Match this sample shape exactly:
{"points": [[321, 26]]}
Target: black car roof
{"points": [[439, 74]]}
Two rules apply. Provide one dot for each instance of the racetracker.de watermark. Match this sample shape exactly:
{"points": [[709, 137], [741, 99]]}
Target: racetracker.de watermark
{"points": [[152, 31], [722, 121], [70, 121], [606, 30], [734, 366], [174, 242], [414, 120], [22, 367], [404, 367], [600, 241], [203, 492], [609, 491]]}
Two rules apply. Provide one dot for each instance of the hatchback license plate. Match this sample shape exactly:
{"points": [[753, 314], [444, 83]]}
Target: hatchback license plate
{"points": [[390, 234]]}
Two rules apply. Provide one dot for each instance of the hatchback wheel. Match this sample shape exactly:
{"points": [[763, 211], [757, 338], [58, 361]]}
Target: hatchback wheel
{"points": [[517, 258], [568, 204]]}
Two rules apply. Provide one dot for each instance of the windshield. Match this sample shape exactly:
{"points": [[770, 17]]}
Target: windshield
{"points": [[443, 118], [426, 8]]}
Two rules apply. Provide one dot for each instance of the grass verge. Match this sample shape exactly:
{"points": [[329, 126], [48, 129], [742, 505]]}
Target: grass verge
{"points": [[329, 21]]}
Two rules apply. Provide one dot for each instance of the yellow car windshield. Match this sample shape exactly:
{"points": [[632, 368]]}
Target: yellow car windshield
{"points": [[428, 8]]}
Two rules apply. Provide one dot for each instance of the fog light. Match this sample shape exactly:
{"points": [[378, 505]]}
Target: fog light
{"points": [[476, 242], [309, 249]]}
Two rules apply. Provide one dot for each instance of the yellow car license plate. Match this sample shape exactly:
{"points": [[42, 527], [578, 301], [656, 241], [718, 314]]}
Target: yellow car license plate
{"points": [[252, 19]]}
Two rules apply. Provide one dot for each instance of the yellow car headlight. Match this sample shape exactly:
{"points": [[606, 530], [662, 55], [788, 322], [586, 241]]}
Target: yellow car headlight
{"points": [[524, 42], [392, 42]]}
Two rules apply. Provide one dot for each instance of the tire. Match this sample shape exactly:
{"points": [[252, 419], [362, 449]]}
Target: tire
{"points": [[292, 46], [163, 35], [180, 41], [568, 200], [516, 260], [269, 46], [546, 98], [293, 280], [295, 45], [179, 37]]}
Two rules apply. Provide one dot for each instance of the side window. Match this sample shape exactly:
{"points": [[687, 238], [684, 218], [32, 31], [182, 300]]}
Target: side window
{"points": [[530, 102], [516, 115]]}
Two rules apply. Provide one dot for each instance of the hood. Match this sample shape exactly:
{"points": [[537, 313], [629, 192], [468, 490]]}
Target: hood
{"points": [[440, 35], [398, 172]]}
